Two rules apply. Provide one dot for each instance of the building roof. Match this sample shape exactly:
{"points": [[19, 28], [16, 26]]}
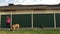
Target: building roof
{"points": [[30, 7]]}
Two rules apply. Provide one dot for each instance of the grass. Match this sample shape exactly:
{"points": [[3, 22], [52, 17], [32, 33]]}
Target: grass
{"points": [[30, 32]]}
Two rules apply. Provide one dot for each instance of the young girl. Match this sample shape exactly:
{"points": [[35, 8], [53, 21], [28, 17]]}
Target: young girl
{"points": [[8, 22]]}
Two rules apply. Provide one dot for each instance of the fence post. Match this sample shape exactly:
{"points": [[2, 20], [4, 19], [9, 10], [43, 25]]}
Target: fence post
{"points": [[11, 19], [32, 19], [0, 20], [54, 20]]}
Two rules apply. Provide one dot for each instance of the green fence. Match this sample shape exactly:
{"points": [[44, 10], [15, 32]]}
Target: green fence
{"points": [[25, 20], [47, 20], [3, 21], [58, 20]]}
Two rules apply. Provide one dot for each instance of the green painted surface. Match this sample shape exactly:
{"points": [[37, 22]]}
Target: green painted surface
{"points": [[3, 21], [23, 19], [58, 20], [47, 20]]}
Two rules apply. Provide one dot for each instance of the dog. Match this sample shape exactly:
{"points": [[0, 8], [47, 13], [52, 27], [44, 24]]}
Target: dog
{"points": [[14, 27]]}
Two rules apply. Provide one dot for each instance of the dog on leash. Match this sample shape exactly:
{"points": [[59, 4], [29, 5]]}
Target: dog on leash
{"points": [[14, 27]]}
